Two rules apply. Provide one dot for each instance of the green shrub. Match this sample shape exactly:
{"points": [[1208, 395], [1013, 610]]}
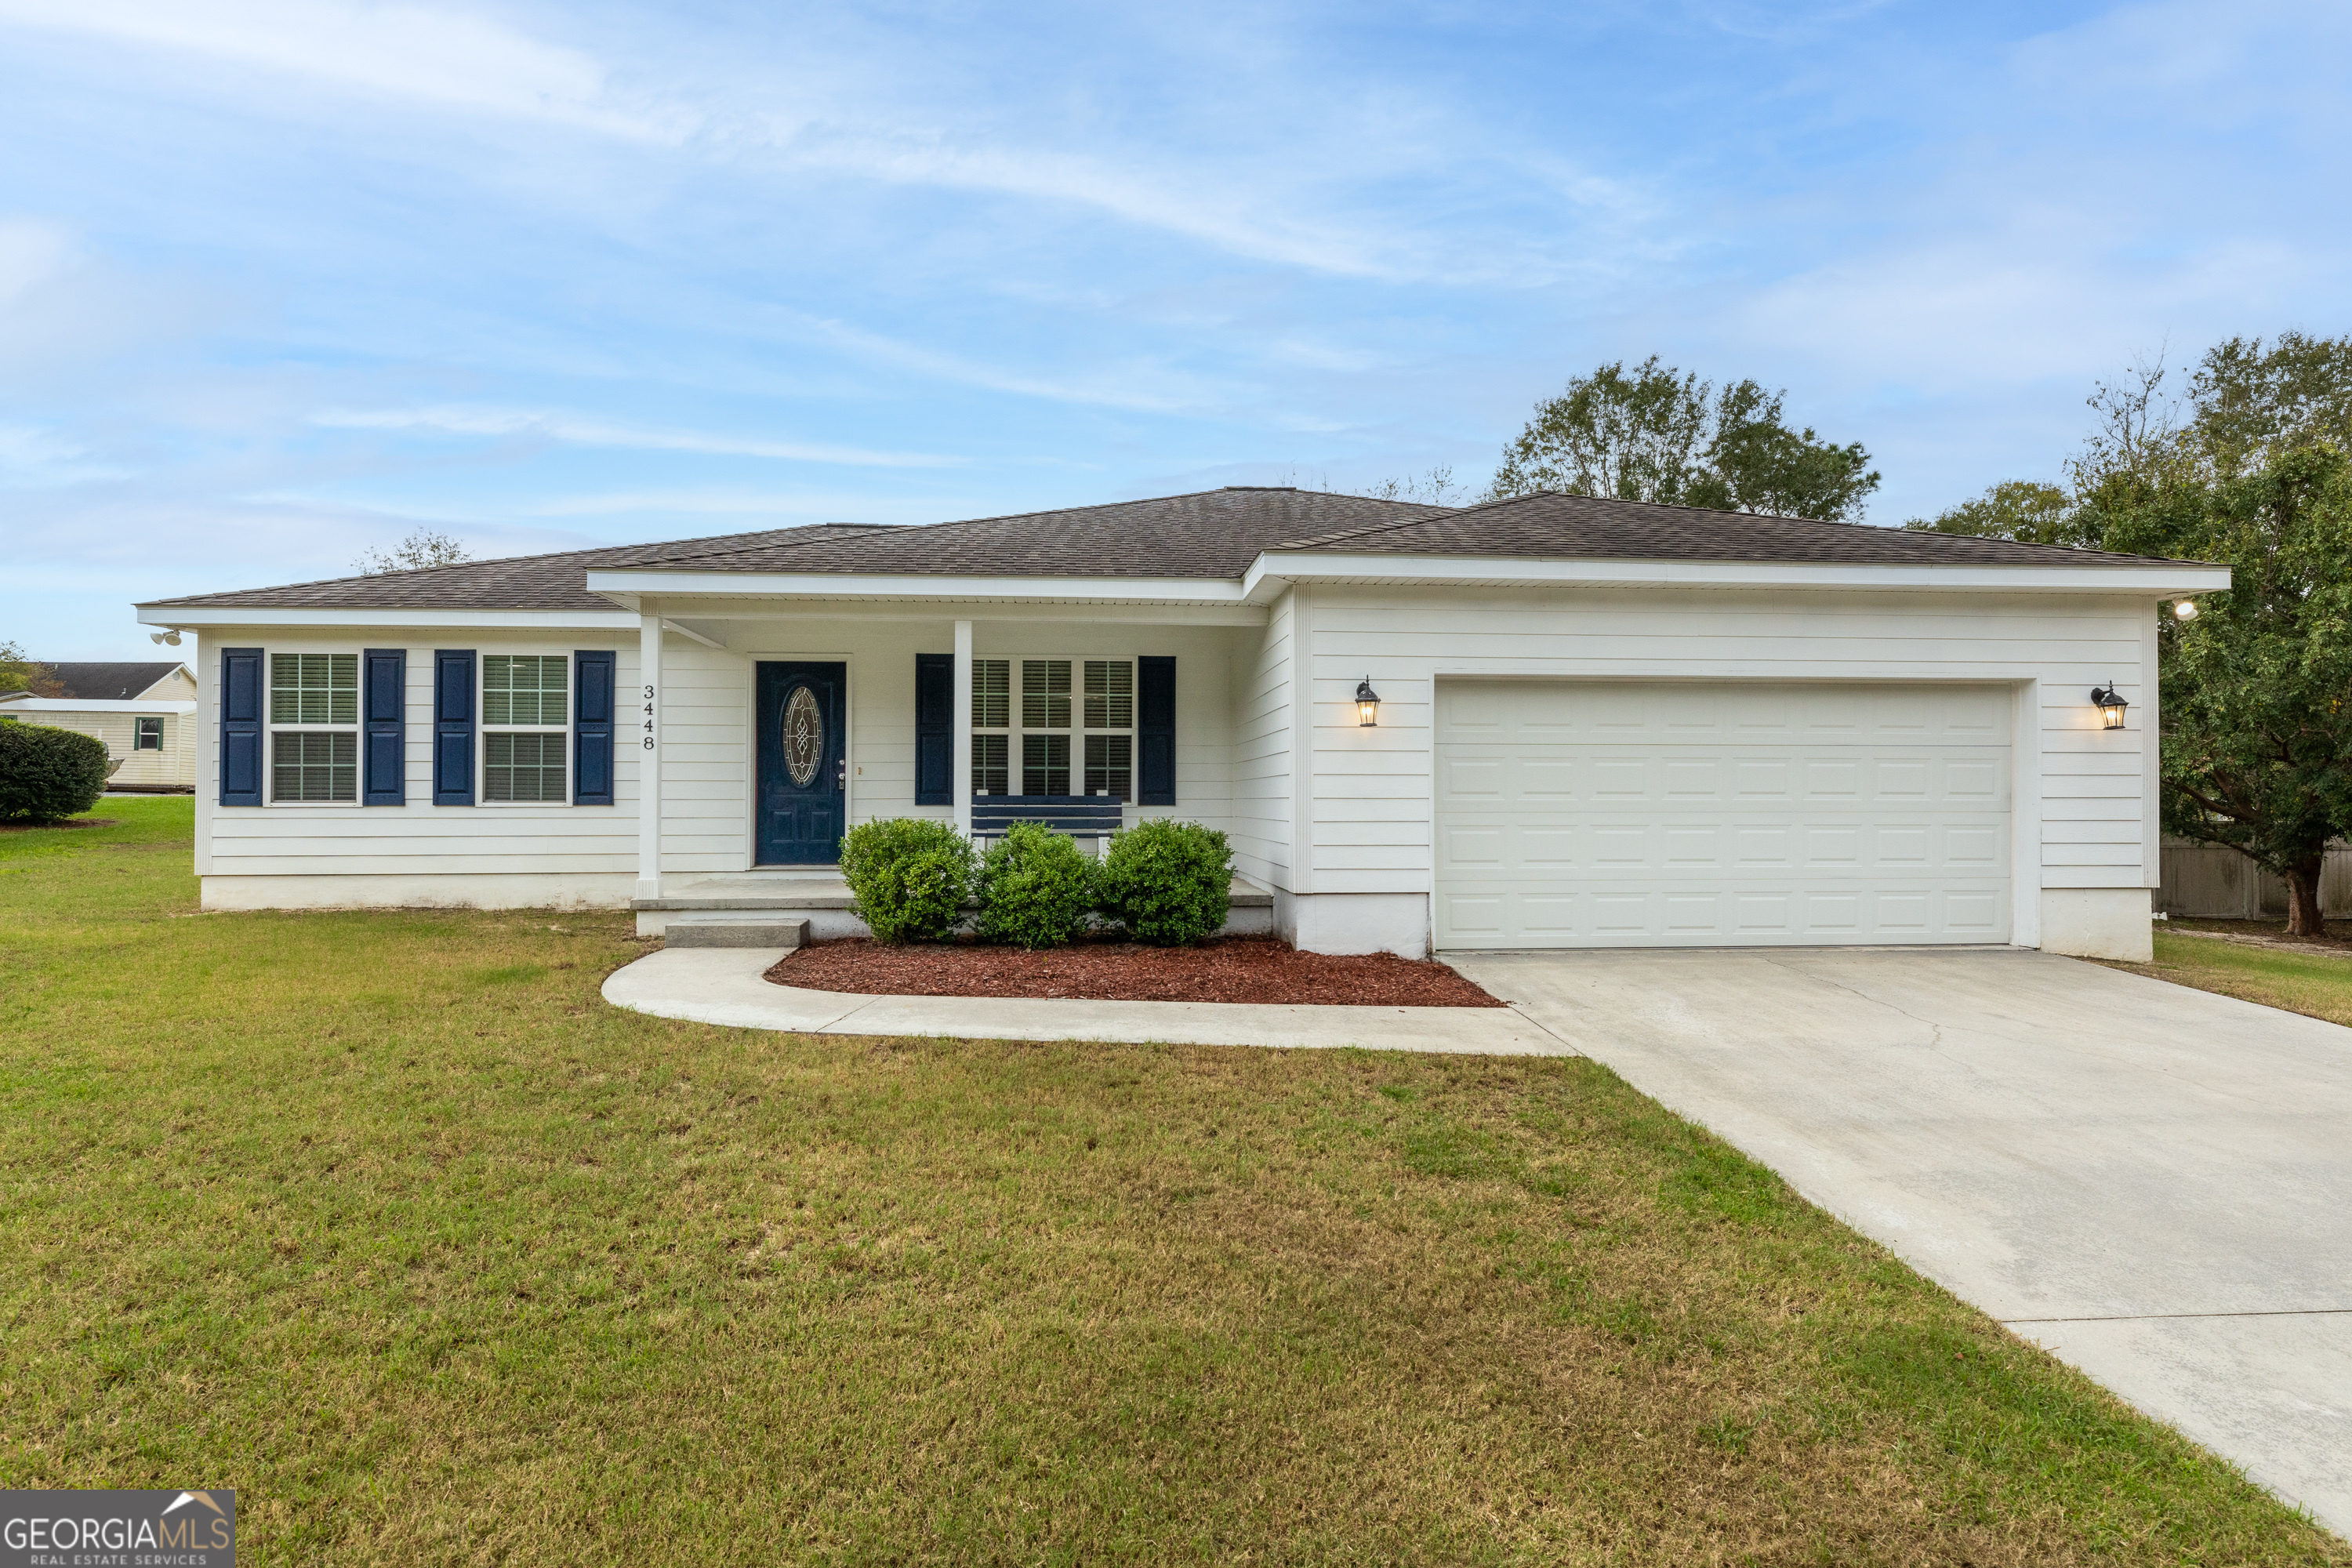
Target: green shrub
{"points": [[47, 773], [1036, 887], [909, 876], [1167, 882]]}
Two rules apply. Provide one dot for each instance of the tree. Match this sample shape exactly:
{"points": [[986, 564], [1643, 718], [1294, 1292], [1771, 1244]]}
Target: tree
{"points": [[423, 548], [2257, 739], [19, 672], [1436, 487], [1660, 434], [2253, 403], [2027, 510]]}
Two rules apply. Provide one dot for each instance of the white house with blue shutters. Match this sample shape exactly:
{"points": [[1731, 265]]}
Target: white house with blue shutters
{"points": [[1551, 722]]}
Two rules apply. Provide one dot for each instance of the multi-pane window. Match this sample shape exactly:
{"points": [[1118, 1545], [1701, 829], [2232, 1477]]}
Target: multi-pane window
{"points": [[992, 693], [150, 735], [1045, 694], [1071, 730], [991, 765], [1044, 765], [314, 714], [526, 718]]}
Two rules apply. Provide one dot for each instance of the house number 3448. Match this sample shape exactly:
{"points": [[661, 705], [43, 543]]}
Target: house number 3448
{"points": [[649, 717]]}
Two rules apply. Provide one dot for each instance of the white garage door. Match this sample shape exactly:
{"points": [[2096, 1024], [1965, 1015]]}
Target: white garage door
{"points": [[1654, 814]]}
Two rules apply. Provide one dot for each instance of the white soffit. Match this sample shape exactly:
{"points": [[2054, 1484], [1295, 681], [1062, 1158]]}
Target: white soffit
{"points": [[2157, 579]]}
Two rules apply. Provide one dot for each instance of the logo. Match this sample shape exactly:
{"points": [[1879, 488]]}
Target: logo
{"points": [[159, 1529]]}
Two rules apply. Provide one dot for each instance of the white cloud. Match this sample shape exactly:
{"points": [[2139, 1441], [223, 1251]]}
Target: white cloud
{"points": [[581, 432], [31, 457], [407, 51]]}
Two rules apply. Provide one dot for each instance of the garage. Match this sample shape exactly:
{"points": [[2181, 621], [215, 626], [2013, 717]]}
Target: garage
{"points": [[1649, 813]]}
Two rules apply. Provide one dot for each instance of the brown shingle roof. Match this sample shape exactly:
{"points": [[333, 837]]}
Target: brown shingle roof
{"points": [[1208, 533], [516, 583], [1548, 525], [108, 682]]}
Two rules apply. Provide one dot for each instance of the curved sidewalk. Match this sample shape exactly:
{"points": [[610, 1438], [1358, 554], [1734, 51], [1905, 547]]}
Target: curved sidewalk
{"points": [[723, 985]]}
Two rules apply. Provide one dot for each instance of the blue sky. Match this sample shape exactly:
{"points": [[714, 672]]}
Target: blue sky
{"points": [[280, 281]]}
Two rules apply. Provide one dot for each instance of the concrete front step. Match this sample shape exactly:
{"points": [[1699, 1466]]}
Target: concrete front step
{"points": [[734, 930]]}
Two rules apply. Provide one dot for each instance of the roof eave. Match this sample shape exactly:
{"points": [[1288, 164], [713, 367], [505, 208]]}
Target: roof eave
{"points": [[636, 586], [2154, 579]]}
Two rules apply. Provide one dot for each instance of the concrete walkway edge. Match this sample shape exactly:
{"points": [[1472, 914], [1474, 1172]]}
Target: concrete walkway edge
{"points": [[724, 986]]}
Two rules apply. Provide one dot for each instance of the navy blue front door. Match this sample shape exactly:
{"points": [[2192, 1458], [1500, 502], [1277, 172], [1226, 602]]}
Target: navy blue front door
{"points": [[801, 752]]}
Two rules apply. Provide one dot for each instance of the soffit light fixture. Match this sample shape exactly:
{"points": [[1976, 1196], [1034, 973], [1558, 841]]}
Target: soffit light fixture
{"points": [[2185, 610], [1368, 704], [2110, 704]]}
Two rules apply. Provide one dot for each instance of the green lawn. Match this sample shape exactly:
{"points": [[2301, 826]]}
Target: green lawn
{"points": [[2314, 983], [387, 1222]]}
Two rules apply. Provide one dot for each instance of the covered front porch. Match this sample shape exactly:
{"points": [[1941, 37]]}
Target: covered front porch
{"points": [[765, 727]]}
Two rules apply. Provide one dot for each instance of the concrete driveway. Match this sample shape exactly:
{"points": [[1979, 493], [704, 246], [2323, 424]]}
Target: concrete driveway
{"points": [[2154, 1183]]}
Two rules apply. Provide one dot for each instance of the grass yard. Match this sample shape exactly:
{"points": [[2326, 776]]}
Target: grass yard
{"points": [[387, 1222], [2309, 982]]}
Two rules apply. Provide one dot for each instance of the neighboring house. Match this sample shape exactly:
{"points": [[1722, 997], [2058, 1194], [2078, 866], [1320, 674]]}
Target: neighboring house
{"points": [[144, 713], [1600, 723]]}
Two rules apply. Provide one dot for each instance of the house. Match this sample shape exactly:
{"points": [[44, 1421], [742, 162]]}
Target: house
{"points": [[144, 713], [1582, 723]]}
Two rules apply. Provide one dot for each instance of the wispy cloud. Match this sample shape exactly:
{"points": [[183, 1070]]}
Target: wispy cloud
{"points": [[430, 54], [33, 458], [575, 430]]}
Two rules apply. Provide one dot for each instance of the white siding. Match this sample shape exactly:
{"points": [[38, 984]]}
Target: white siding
{"points": [[174, 765], [418, 838], [1260, 748], [1372, 788]]}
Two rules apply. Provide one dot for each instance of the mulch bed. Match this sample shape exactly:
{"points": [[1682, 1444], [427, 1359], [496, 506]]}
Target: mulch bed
{"points": [[1232, 969], [67, 822]]}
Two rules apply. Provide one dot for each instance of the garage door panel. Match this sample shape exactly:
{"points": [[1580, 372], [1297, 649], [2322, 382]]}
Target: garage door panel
{"points": [[1626, 814]]}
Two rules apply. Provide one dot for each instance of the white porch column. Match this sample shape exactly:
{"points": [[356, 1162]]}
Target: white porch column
{"points": [[961, 753], [647, 744]]}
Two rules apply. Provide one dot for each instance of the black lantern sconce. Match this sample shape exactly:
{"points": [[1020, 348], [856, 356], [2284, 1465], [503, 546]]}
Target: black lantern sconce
{"points": [[2110, 704], [1368, 703]]}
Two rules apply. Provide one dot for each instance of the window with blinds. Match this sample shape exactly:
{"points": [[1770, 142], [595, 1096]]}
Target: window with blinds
{"points": [[314, 715], [526, 728], [1073, 729]]}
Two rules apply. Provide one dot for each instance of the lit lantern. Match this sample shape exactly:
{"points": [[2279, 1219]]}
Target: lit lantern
{"points": [[1368, 703], [2110, 704]]}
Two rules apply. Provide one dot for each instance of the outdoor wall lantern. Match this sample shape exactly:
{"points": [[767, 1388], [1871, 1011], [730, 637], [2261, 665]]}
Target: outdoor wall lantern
{"points": [[2110, 704], [1368, 703], [2185, 610]]}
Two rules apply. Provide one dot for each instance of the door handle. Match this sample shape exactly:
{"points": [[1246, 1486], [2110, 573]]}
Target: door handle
{"points": [[841, 780]]}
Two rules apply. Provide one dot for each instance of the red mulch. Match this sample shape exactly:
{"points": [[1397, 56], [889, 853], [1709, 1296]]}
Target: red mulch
{"points": [[1231, 969]]}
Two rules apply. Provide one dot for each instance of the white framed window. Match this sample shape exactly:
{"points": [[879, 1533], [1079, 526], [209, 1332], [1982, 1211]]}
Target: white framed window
{"points": [[526, 728], [147, 733], [1069, 729], [314, 735]]}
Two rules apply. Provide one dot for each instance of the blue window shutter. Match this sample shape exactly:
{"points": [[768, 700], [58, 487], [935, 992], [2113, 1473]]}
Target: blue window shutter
{"points": [[383, 726], [935, 729], [453, 727], [592, 698], [1155, 730], [241, 727]]}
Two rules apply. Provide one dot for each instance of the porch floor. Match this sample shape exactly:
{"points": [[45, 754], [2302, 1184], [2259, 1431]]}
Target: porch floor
{"points": [[821, 890]]}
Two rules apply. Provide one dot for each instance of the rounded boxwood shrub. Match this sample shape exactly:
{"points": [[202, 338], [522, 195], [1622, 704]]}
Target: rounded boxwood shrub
{"points": [[909, 876], [1167, 882], [1036, 887], [47, 773]]}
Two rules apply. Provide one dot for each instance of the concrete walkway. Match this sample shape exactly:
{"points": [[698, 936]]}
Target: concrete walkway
{"points": [[2154, 1183], [723, 985]]}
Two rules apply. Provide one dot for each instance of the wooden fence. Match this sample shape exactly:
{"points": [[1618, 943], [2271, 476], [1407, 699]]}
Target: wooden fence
{"points": [[2212, 882]]}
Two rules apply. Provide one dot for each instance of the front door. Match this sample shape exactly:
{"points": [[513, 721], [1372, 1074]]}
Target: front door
{"points": [[803, 755]]}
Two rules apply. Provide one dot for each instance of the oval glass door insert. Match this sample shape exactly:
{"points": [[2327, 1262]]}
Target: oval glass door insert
{"points": [[803, 736]]}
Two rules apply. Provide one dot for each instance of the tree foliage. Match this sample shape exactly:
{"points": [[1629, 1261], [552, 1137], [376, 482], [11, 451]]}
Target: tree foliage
{"points": [[2257, 739], [423, 548], [1656, 433], [2250, 466], [20, 672]]}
